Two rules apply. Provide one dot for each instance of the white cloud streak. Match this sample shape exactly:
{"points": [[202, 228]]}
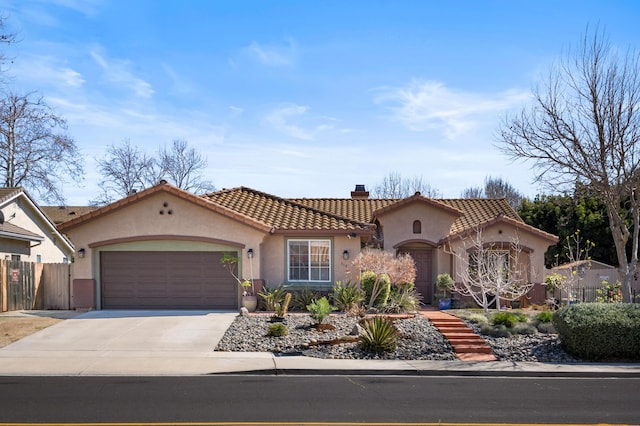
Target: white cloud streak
{"points": [[273, 55], [117, 72], [426, 105]]}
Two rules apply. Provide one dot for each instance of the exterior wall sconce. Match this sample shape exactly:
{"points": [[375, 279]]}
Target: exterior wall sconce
{"points": [[345, 255], [250, 253], [81, 253]]}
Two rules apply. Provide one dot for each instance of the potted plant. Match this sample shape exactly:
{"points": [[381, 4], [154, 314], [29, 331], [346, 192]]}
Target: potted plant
{"points": [[249, 300], [444, 282]]}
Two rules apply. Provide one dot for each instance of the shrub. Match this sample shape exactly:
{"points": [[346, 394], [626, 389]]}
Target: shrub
{"points": [[368, 280], [593, 331], [495, 331], [546, 328], [378, 334], [277, 330], [272, 296], [508, 319], [347, 296], [303, 298], [479, 319], [543, 317], [319, 309], [403, 299], [524, 328]]}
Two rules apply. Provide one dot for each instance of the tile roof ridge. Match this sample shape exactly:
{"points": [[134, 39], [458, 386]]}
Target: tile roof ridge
{"points": [[292, 203]]}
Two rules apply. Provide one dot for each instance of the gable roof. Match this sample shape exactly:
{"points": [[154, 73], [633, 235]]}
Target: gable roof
{"points": [[285, 215], [61, 214], [273, 214], [7, 195], [163, 186]]}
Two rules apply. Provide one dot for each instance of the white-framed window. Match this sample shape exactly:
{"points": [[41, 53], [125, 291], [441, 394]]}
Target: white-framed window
{"points": [[309, 260]]}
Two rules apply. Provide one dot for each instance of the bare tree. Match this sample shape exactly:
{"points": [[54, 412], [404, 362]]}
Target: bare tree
{"points": [[183, 167], [6, 38], [584, 127], [35, 151], [395, 186], [495, 188], [125, 170], [491, 272]]}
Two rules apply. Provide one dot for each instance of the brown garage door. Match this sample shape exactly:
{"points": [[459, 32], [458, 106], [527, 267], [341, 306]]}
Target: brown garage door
{"points": [[165, 280]]}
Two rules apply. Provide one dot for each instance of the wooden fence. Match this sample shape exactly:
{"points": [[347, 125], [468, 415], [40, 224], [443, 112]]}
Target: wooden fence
{"points": [[28, 285]]}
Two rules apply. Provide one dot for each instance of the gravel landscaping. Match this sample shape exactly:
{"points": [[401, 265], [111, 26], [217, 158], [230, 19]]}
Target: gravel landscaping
{"points": [[420, 341]]}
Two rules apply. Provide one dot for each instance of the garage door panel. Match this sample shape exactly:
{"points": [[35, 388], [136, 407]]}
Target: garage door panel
{"points": [[164, 280]]}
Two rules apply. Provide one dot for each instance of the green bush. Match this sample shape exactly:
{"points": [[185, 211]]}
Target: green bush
{"points": [[277, 330], [543, 317], [378, 334], [593, 331], [319, 309], [346, 296], [304, 297], [508, 319], [368, 280]]}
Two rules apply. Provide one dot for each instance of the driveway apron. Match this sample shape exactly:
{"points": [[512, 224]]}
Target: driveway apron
{"points": [[136, 331]]}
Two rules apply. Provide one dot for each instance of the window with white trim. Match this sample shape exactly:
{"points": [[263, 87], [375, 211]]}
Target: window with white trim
{"points": [[309, 260]]}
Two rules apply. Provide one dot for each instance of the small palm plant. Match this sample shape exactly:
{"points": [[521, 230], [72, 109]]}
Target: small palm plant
{"points": [[320, 309]]}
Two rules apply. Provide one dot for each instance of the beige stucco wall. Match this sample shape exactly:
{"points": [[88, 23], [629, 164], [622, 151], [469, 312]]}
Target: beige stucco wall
{"points": [[52, 249], [273, 254], [188, 223], [397, 225]]}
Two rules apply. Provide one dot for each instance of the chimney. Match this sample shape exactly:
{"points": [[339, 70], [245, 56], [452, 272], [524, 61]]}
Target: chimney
{"points": [[360, 193]]}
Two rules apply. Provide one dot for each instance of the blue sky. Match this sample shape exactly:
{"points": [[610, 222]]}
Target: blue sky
{"points": [[302, 98]]}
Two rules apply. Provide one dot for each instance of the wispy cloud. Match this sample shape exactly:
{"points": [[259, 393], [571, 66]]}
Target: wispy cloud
{"points": [[273, 55], [118, 72], [423, 105], [295, 121], [46, 70]]}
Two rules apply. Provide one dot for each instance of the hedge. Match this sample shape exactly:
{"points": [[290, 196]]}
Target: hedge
{"points": [[596, 331]]}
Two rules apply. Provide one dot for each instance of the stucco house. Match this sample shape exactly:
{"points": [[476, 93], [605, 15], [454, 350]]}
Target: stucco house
{"points": [[27, 234], [161, 247]]}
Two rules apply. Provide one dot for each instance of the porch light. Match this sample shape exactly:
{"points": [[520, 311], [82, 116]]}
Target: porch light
{"points": [[81, 253], [345, 255], [250, 253]]}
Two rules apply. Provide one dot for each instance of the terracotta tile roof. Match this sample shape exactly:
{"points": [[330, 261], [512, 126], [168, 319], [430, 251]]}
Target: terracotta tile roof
{"points": [[283, 214], [474, 211], [61, 214]]}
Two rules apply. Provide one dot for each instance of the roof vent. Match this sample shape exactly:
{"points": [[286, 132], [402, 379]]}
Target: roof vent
{"points": [[360, 192]]}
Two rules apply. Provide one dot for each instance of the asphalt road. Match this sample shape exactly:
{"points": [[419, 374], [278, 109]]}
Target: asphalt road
{"points": [[385, 399]]}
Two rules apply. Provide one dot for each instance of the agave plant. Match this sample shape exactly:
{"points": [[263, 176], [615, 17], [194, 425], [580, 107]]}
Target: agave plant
{"points": [[378, 334]]}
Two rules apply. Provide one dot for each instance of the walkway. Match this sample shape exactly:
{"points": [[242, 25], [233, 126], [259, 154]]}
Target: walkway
{"points": [[467, 345]]}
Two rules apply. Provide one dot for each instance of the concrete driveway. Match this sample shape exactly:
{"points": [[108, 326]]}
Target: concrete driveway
{"points": [[135, 331]]}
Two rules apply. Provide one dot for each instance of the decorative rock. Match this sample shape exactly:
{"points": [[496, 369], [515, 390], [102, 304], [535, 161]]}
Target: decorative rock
{"points": [[357, 329], [244, 312]]}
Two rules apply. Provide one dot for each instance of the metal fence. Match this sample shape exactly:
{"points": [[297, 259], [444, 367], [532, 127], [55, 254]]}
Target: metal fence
{"points": [[585, 294]]}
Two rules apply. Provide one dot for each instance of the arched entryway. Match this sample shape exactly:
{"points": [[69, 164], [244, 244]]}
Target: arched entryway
{"points": [[422, 255]]}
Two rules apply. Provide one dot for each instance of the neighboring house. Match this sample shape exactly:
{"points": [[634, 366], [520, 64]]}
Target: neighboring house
{"points": [[161, 247], [26, 233], [587, 276]]}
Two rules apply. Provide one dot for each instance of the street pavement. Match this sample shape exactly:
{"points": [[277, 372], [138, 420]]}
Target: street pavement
{"points": [[181, 343]]}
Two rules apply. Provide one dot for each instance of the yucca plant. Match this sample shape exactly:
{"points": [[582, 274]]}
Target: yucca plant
{"points": [[347, 296], [378, 334], [272, 296]]}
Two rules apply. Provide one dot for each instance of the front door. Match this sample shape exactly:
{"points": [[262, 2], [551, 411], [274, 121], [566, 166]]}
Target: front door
{"points": [[424, 284]]}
